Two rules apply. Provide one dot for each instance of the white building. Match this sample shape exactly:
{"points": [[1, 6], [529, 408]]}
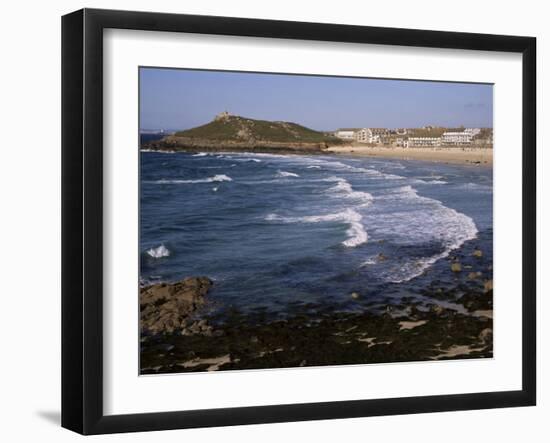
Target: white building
{"points": [[473, 131], [457, 138], [400, 142], [346, 133], [371, 135], [413, 142]]}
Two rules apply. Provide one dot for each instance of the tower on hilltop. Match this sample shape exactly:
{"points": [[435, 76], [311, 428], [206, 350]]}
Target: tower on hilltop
{"points": [[223, 116]]}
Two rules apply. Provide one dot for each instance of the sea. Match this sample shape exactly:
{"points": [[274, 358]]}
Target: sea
{"points": [[280, 231]]}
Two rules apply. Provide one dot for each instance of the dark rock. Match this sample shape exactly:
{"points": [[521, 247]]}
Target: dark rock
{"points": [[474, 275], [474, 301], [486, 336], [437, 309], [165, 308]]}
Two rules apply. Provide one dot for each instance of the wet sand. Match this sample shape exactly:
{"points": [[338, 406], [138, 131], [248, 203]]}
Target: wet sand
{"points": [[481, 156]]}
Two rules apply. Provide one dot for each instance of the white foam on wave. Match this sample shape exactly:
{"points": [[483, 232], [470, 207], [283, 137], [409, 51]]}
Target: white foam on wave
{"points": [[372, 260], [370, 172], [286, 174], [200, 154], [254, 160], [257, 155], [159, 252], [216, 178], [430, 182], [395, 166], [476, 187], [158, 151], [344, 189], [356, 232], [415, 219], [431, 177]]}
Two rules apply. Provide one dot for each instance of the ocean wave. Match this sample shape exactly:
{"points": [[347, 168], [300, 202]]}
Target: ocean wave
{"points": [[431, 177], [399, 192], [344, 189], [158, 151], [356, 232], [158, 252], [216, 178], [430, 182], [257, 155], [247, 160], [476, 187], [370, 260], [151, 280], [200, 154], [286, 174], [411, 219], [371, 172]]}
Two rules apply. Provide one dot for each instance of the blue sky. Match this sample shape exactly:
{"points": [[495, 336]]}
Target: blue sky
{"points": [[181, 99]]}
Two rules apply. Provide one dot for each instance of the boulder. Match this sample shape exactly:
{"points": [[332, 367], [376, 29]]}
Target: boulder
{"points": [[456, 267], [166, 307], [486, 336]]}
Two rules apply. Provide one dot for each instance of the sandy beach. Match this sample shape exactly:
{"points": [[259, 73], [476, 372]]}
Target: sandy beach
{"points": [[483, 156]]}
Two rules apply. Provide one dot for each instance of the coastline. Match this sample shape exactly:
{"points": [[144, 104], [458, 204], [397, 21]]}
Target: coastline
{"points": [[466, 155], [471, 155], [179, 333]]}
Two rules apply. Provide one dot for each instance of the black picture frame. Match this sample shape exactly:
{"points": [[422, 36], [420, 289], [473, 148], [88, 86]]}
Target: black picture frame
{"points": [[82, 218]]}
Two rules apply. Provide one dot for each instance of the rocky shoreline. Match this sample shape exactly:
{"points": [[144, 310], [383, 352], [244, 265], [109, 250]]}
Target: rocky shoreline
{"points": [[179, 335]]}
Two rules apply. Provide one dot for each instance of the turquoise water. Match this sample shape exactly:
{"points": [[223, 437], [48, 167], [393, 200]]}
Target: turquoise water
{"points": [[275, 231]]}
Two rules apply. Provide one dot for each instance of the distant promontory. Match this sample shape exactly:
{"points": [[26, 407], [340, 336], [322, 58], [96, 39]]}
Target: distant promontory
{"points": [[231, 132]]}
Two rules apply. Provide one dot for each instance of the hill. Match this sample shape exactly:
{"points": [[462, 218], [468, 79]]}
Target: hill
{"points": [[234, 132]]}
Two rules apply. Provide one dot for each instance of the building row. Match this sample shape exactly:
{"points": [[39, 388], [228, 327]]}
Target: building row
{"points": [[363, 135], [385, 136]]}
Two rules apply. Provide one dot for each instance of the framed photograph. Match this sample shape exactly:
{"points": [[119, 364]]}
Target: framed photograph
{"points": [[269, 221]]}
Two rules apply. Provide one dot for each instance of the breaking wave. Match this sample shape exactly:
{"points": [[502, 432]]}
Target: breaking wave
{"points": [[430, 182], [476, 187], [409, 219], [286, 174], [344, 189], [216, 178], [158, 252], [356, 232]]}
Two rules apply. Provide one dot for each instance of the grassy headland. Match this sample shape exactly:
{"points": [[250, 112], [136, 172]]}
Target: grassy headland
{"points": [[232, 132]]}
